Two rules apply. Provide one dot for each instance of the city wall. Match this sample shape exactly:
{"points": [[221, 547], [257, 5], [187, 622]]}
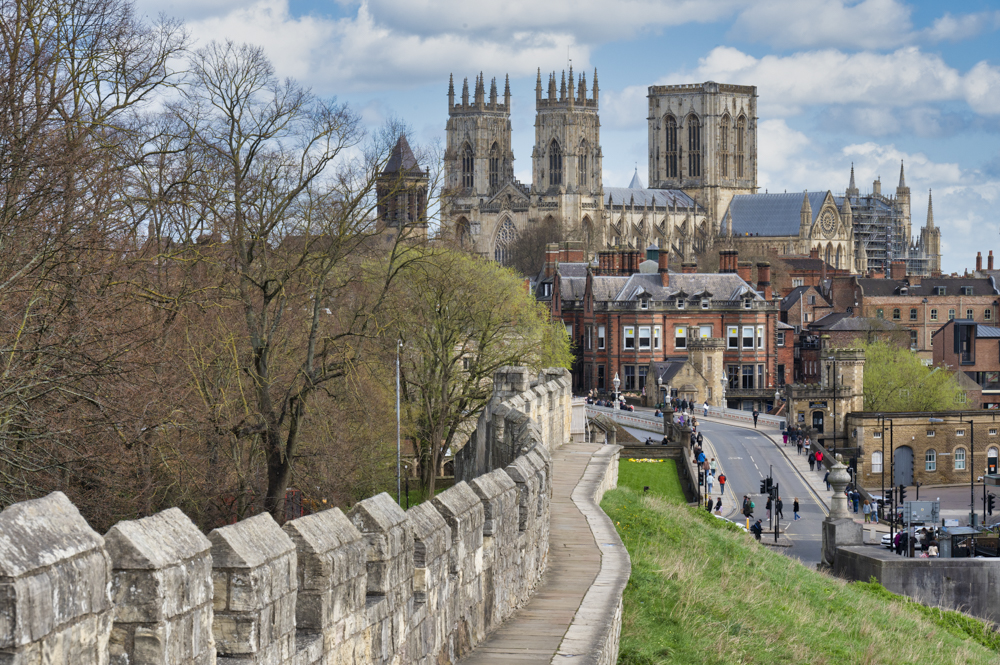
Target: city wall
{"points": [[374, 585]]}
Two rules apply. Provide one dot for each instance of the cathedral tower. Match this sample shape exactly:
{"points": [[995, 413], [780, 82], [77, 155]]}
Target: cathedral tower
{"points": [[478, 158], [567, 154], [931, 237], [903, 202], [703, 139], [401, 189]]}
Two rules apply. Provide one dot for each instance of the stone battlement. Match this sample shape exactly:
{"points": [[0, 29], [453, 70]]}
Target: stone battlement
{"points": [[375, 585]]}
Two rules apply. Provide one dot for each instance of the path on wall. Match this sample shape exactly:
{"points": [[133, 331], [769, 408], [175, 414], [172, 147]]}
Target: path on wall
{"points": [[534, 633]]}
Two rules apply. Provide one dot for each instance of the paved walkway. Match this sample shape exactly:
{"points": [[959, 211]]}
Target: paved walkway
{"points": [[535, 631]]}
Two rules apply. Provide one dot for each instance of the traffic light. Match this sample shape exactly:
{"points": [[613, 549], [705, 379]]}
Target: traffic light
{"points": [[763, 485], [902, 493], [701, 478], [990, 502], [888, 496]]}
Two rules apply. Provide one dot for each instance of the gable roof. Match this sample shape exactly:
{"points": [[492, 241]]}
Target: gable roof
{"points": [[799, 291], [644, 197], [402, 159], [636, 182], [771, 214]]}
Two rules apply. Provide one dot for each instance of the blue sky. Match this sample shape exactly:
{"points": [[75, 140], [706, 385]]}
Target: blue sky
{"points": [[871, 82]]}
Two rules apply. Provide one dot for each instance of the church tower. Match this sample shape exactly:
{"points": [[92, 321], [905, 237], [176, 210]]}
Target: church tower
{"points": [[703, 139], [567, 155], [478, 157], [903, 202], [931, 237], [401, 189]]}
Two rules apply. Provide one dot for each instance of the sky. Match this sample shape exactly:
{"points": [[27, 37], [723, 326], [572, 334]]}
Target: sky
{"points": [[868, 82]]}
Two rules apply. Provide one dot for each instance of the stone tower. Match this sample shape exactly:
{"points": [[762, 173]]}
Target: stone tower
{"points": [[567, 155], [401, 189], [903, 201], [703, 139], [931, 237], [478, 157]]}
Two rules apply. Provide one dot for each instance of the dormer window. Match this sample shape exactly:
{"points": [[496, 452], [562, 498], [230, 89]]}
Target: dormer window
{"points": [[680, 303], [966, 290], [747, 304], [643, 303], [546, 290], [705, 302], [903, 290], [940, 290]]}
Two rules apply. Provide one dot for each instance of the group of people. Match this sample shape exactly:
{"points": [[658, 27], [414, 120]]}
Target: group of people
{"points": [[799, 438], [927, 543]]}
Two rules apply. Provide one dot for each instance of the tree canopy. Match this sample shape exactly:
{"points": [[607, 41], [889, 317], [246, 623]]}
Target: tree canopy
{"points": [[897, 380]]}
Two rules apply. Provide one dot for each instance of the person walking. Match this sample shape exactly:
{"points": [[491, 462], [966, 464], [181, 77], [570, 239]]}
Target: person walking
{"points": [[767, 509], [718, 505], [784, 437], [756, 529], [722, 484], [795, 509], [798, 445], [867, 510], [826, 479], [777, 509], [805, 446], [705, 406], [708, 484], [812, 461], [856, 500], [819, 457], [756, 413], [700, 438], [711, 466]]}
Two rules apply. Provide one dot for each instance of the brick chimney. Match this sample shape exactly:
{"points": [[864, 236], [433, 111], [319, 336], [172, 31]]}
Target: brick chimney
{"points": [[979, 261], [989, 261], [662, 260], [814, 253], [745, 269], [897, 270], [551, 258], [764, 279], [689, 268], [727, 260]]}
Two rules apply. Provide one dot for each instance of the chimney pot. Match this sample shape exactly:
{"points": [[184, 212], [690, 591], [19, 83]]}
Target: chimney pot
{"points": [[979, 260], [989, 261], [897, 270], [744, 270]]}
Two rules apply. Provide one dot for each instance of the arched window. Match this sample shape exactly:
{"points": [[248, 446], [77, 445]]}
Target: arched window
{"points": [[724, 146], [506, 236], [494, 168], [895, 314], [670, 132], [463, 233], [741, 145], [694, 146], [930, 460], [555, 163], [877, 462], [959, 459], [837, 264], [581, 180], [468, 166], [829, 254]]}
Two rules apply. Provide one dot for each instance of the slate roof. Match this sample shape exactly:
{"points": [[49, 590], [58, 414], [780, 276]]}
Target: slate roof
{"points": [[781, 325], [829, 321], [987, 332], [891, 287], [771, 214], [727, 286], [806, 263], [845, 322], [643, 197], [666, 370], [793, 297], [572, 269], [402, 159]]}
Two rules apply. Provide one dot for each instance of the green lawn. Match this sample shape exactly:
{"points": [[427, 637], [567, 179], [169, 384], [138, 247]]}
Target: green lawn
{"points": [[702, 591]]}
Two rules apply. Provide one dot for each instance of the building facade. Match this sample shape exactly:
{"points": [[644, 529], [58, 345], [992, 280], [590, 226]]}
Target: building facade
{"points": [[973, 350]]}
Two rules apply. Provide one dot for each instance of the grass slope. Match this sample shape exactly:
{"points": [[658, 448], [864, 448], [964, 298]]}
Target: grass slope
{"points": [[703, 591]]}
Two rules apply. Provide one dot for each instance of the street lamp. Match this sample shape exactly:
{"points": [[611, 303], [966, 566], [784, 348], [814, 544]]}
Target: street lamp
{"points": [[724, 381], [616, 382], [659, 387], [892, 495], [972, 467]]}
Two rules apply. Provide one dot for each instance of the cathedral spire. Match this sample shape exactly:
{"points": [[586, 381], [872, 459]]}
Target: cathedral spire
{"points": [[806, 207], [562, 88], [465, 92], [451, 90], [493, 92], [506, 92], [930, 210], [852, 185], [571, 93], [538, 86], [902, 177], [583, 87], [480, 89], [595, 86], [553, 92]]}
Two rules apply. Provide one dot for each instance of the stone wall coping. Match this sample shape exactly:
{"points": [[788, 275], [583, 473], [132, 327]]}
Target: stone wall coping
{"points": [[457, 500], [520, 471], [42, 532], [379, 513], [431, 533], [249, 543], [158, 541], [322, 532], [492, 485]]}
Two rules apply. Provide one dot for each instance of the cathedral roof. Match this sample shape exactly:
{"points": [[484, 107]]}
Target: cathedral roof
{"points": [[637, 182], [771, 214], [644, 197]]}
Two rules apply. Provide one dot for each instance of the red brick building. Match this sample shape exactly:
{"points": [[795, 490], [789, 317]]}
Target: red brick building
{"points": [[973, 349], [625, 313]]}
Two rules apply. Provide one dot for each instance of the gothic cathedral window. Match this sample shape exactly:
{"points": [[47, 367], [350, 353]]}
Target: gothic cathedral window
{"points": [[555, 163], [494, 168], [505, 242], [724, 146], [694, 146], [670, 132], [741, 144], [582, 176], [468, 162]]}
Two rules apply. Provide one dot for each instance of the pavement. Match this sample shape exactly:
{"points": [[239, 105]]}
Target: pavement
{"points": [[534, 633]]}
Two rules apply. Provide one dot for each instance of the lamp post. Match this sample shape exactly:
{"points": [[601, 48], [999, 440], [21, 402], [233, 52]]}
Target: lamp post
{"points": [[892, 497], [616, 382], [659, 388], [724, 381], [972, 467], [399, 345]]}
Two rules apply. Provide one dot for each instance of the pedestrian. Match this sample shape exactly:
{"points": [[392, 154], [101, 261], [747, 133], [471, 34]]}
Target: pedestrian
{"points": [[867, 510], [708, 484], [701, 457], [767, 509], [711, 466], [777, 509], [856, 500], [932, 548], [784, 437], [708, 504], [755, 414], [805, 446], [812, 461], [826, 479], [819, 457], [722, 484], [756, 529], [875, 510], [798, 445], [718, 505], [705, 406], [897, 543], [700, 438], [795, 509]]}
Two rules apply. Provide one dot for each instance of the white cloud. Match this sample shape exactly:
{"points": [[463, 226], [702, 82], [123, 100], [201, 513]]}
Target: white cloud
{"points": [[907, 76], [957, 28], [869, 24]]}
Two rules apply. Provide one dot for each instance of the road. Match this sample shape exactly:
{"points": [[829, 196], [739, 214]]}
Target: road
{"points": [[745, 456]]}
